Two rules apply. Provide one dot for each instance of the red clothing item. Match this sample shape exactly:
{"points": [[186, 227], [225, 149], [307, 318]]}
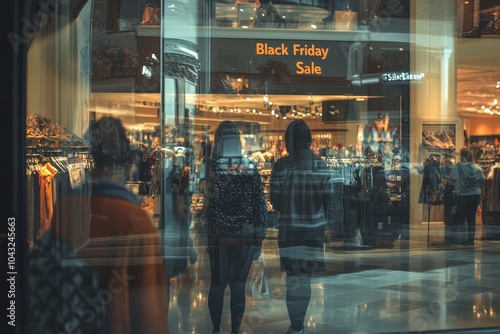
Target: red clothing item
{"points": [[256, 2], [125, 251]]}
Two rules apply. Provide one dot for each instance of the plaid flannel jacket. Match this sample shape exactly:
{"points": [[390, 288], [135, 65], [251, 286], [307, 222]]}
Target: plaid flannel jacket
{"points": [[301, 190]]}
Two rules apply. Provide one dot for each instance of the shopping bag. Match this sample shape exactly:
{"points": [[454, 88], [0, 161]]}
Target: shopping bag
{"points": [[345, 20], [259, 288]]}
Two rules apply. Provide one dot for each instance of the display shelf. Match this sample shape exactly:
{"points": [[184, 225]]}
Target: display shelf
{"points": [[439, 136], [263, 33]]}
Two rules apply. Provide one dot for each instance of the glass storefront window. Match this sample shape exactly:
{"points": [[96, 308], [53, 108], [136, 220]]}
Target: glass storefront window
{"points": [[122, 103]]}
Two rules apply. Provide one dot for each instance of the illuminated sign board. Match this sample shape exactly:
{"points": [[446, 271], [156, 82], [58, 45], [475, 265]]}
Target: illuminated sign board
{"points": [[285, 66], [299, 57], [399, 77], [312, 56]]}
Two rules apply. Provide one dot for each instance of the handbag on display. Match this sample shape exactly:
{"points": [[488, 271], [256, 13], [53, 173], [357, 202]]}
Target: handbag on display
{"points": [[345, 20], [151, 15]]}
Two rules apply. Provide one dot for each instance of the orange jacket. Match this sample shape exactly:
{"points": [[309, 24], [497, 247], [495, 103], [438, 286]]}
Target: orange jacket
{"points": [[125, 251]]}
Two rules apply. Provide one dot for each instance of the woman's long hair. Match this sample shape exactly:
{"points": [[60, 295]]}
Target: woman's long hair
{"points": [[225, 129]]}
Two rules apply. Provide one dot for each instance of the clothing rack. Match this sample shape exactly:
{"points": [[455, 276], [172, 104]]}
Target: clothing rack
{"points": [[333, 162], [489, 203], [363, 196], [353, 201], [58, 156], [45, 164]]}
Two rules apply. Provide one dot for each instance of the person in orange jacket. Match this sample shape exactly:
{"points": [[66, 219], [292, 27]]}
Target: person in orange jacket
{"points": [[124, 247]]}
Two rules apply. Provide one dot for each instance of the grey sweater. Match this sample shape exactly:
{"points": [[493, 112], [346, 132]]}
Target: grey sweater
{"points": [[469, 177]]}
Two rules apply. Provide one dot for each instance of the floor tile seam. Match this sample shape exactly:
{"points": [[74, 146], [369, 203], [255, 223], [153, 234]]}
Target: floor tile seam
{"points": [[392, 316], [403, 272], [396, 275], [468, 290]]}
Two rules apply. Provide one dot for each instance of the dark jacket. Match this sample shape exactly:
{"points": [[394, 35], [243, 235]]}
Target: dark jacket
{"points": [[236, 202]]}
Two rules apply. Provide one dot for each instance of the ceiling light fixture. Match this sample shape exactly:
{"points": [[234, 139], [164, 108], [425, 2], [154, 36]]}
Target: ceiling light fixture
{"points": [[492, 109]]}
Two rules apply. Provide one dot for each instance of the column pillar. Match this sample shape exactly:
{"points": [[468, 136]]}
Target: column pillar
{"points": [[433, 100]]}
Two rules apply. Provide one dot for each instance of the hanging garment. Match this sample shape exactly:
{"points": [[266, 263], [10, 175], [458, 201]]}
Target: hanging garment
{"points": [[432, 191], [494, 200], [30, 209], [47, 175], [156, 157]]}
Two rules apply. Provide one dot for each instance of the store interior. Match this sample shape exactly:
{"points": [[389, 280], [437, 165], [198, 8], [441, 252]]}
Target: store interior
{"points": [[476, 109], [363, 291], [133, 94]]}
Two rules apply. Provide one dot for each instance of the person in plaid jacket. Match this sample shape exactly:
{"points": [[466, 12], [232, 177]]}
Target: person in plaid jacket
{"points": [[301, 191]]}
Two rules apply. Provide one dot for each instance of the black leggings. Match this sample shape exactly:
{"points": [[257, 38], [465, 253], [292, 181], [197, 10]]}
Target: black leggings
{"points": [[466, 213], [298, 295], [229, 265], [301, 255]]}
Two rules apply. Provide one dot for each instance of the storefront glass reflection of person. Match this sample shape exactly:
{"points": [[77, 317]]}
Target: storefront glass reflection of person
{"points": [[175, 215], [301, 191], [468, 179], [379, 133], [235, 199], [124, 248], [266, 12]]}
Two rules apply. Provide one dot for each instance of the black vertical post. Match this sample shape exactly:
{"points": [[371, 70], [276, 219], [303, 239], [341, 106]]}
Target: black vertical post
{"points": [[428, 226], [17, 32]]}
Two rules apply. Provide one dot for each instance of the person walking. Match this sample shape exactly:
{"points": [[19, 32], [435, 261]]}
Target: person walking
{"points": [[301, 190], [237, 223], [468, 179], [124, 247]]}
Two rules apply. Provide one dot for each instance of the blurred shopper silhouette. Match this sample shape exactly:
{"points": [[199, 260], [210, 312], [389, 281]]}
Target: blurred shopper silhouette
{"points": [[237, 221], [468, 179], [267, 15], [301, 191], [115, 281], [125, 247], [175, 216]]}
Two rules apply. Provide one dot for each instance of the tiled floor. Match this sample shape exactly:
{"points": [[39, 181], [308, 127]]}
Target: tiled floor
{"points": [[410, 288]]}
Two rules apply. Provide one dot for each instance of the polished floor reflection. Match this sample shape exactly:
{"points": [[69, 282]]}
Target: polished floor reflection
{"points": [[410, 288]]}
